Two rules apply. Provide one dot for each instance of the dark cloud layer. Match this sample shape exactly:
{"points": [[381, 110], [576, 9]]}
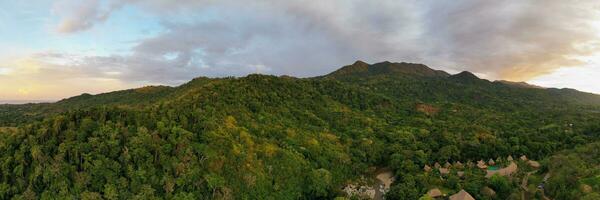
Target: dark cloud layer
{"points": [[502, 39]]}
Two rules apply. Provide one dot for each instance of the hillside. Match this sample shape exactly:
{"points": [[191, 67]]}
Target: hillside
{"points": [[362, 69], [12, 115], [268, 137]]}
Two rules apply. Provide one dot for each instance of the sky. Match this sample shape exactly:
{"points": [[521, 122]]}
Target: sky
{"points": [[51, 50]]}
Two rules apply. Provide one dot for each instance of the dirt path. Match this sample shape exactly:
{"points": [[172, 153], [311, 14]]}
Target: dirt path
{"points": [[379, 194], [524, 186], [525, 192], [546, 177], [524, 182], [384, 180]]}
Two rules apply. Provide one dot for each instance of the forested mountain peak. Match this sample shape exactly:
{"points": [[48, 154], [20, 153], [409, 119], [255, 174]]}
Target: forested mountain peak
{"points": [[360, 63], [465, 75], [130, 96], [360, 68]]}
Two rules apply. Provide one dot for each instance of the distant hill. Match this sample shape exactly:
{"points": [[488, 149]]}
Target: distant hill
{"points": [[519, 84], [13, 102], [360, 68]]}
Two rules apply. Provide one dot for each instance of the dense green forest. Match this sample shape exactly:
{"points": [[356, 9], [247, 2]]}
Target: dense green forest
{"points": [[268, 137]]}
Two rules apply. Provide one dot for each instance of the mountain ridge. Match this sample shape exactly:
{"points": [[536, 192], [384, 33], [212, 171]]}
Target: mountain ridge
{"points": [[360, 68], [414, 79], [357, 69]]}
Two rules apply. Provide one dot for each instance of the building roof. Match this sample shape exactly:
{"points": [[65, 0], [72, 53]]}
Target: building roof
{"points": [[510, 158], [459, 165], [470, 164], [437, 165], [447, 165], [444, 170], [481, 164], [462, 195], [524, 158], [491, 162], [433, 193], [427, 168]]}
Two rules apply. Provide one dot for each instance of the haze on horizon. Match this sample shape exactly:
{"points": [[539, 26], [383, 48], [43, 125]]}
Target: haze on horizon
{"points": [[56, 49]]}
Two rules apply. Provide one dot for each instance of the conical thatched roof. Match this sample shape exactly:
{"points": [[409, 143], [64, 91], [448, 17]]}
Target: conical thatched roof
{"points": [[459, 165], [427, 168], [444, 171], [462, 195], [447, 165], [491, 162], [481, 164], [470, 164], [524, 158], [433, 193], [510, 158], [437, 165]]}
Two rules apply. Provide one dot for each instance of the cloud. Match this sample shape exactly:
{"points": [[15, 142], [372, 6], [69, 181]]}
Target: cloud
{"points": [[78, 16], [4, 71], [47, 76], [269, 37], [583, 78], [514, 40]]}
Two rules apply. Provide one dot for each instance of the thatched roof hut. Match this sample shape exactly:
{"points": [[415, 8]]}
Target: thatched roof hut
{"points": [[491, 162], [447, 165], [481, 164], [458, 165], [427, 168], [524, 158], [460, 173], [433, 193], [462, 195], [437, 165], [444, 171], [470, 164], [510, 158]]}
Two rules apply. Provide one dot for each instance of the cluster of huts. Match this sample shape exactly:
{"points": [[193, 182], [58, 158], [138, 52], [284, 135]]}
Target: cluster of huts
{"points": [[463, 195]]}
